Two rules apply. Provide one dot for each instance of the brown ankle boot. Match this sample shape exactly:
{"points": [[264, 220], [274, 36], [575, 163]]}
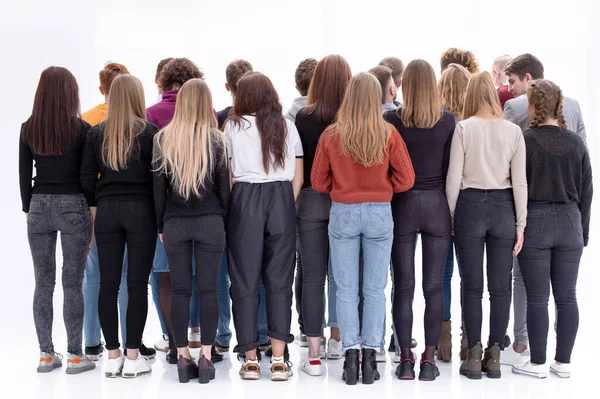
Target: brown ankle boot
{"points": [[472, 366], [445, 346], [463, 344], [491, 362]]}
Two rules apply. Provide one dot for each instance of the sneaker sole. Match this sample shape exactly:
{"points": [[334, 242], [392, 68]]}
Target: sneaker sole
{"points": [[250, 376], [334, 356], [165, 349], [379, 360], [561, 374], [79, 370], [135, 375], [280, 376], [94, 358], [528, 373], [312, 373], [110, 374], [472, 375], [47, 369]]}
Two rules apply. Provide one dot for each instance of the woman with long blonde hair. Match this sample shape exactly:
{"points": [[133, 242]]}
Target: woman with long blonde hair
{"points": [[191, 198], [119, 149], [427, 132], [487, 195], [361, 160]]}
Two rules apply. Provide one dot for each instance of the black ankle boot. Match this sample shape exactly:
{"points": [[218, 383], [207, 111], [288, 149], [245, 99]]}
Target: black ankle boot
{"points": [[350, 373], [369, 366], [186, 369]]}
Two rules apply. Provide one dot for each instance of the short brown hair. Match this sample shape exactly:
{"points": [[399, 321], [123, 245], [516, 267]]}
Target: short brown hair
{"points": [[161, 65], [384, 76], [234, 72], [460, 57], [396, 65], [525, 64], [177, 72], [109, 73], [304, 74]]}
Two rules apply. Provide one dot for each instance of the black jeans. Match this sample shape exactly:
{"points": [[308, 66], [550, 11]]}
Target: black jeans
{"points": [[427, 211], [205, 237], [312, 221], [261, 241], [551, 254], [298, 285], [120, 223], [485, 219]]}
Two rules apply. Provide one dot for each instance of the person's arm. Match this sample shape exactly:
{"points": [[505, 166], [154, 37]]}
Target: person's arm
{"points": [[90, 169], [587, 192], [402, 171], [518, 175], [25, 173], [447, 146], [160, 188], [455, 168], [223, 184], [298, 179], [321, 177]]}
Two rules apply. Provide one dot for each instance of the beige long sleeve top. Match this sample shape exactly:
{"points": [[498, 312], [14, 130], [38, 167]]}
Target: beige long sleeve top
{"points": [[488, 154]]}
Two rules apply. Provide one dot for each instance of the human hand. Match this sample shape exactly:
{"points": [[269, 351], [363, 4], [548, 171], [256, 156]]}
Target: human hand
{"points": [[519, 243]]}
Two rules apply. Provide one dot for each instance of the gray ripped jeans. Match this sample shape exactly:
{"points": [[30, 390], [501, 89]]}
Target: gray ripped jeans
{"points": [[49, 214]]}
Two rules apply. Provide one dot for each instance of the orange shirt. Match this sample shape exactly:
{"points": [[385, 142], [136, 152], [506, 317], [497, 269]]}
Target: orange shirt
{"points": [[95, 115]]}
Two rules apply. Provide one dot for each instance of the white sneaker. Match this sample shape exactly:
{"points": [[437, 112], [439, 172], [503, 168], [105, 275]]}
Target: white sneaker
{"points": [[380, 356], [312, 367], [79, 364], [250, 370], [334, 349], [397, 355], [135, 368], [509, 357], [281, 371], [301, 341], [194, 340], [530, 369], [162, 345], [562, 370], [49, 361], [114, 367], [323, 351]]}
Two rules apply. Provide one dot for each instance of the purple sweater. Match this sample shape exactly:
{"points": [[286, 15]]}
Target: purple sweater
{"points": [[161, 113]]}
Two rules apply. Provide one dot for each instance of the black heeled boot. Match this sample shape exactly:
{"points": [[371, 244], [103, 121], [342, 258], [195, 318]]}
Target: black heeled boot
{"points": [[369, 366], [350, 373]]}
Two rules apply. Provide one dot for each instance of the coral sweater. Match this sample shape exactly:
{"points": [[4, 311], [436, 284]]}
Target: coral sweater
{"points": [[348, 182]]}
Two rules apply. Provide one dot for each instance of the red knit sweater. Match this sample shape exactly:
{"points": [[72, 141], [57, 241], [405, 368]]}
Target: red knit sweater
{"points": [[349, 182]]}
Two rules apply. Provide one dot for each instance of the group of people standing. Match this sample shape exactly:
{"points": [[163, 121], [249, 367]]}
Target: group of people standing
{"points": [[218, 209]]}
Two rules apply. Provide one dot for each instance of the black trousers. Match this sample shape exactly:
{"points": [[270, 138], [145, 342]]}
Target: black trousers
{"points": [[485, 219], [427, 211], [261, 241], [119, 223], [204, 236], [550, 256]]}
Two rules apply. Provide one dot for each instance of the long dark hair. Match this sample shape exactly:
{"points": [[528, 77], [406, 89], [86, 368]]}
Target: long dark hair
{"points": [[327, 87], [53, 125], [257, 95]]}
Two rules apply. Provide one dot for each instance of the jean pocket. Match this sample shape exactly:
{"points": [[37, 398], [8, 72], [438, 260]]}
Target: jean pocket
{"points": [[213, 225], [466, 215], [535, 225], [380, 219], [171, 229], [507, 215], [339, 218], [576, 223], [75, 216]]}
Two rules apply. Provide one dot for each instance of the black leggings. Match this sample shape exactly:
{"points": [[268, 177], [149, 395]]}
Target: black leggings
{"points": [[427, 211], [205, 236]]}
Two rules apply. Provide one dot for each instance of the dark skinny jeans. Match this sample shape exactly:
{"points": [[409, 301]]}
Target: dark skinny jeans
{"points": [[550, 256], [485, 219]]}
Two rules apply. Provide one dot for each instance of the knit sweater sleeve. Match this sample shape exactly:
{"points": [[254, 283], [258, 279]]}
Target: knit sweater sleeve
{"points": [[401, 167], [25, 173], [455, 168], [518, 176], [587, 191], [321, 177]]}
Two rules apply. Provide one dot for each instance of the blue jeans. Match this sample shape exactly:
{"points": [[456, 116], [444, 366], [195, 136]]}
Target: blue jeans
{"points": [[447, 286], [352, 226], [91, 290]]}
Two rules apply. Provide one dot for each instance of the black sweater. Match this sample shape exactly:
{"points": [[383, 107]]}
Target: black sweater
{"points": [[53, 174], [310, 128], [133, 183], [214, 196], [559, 169], [222, 116], [429, 149]]}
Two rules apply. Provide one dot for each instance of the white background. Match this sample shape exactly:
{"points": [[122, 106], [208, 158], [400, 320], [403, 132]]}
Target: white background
{"points": [[274, 36]]}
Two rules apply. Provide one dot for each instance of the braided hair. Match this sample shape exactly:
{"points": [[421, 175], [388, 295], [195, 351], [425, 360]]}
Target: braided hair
{"points": [[547, 101]]}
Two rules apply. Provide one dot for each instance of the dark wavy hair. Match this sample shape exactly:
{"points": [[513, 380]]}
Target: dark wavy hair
{"points": [[460, 57], [177, 72], [53, 125], [256, 95]]}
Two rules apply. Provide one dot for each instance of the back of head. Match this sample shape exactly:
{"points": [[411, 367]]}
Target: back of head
{"points": [[525, 64], [328, 87], [185, 150], [177, 72], [304, 74], [109, 73], [452, 88], [125, 119], [498, 69], [545, 102], [161, 65], [257, 95], [421, 106], [397, 67], [362, 131], [234, 72], [53, 125], [384, 77], [481, 97], [460, 57]]}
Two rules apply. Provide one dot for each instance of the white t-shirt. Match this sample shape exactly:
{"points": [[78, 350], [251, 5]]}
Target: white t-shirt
{"points": [[244, 149]]}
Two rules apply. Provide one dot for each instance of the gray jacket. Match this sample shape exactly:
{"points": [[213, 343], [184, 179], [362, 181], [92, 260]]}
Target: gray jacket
{"points": [[515, 111], [297, 105]]}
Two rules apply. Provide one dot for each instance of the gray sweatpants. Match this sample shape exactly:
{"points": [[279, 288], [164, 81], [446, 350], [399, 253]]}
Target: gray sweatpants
{"points": [[49, 214]]}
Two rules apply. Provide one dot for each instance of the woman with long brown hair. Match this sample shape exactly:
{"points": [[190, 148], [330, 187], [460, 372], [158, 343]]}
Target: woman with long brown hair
{"points": [[53, 137], [266, 169], [427, 131], [560, 188], [487, 195], [361, 161], [119, 149], [325, 96], [191, 196]]}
